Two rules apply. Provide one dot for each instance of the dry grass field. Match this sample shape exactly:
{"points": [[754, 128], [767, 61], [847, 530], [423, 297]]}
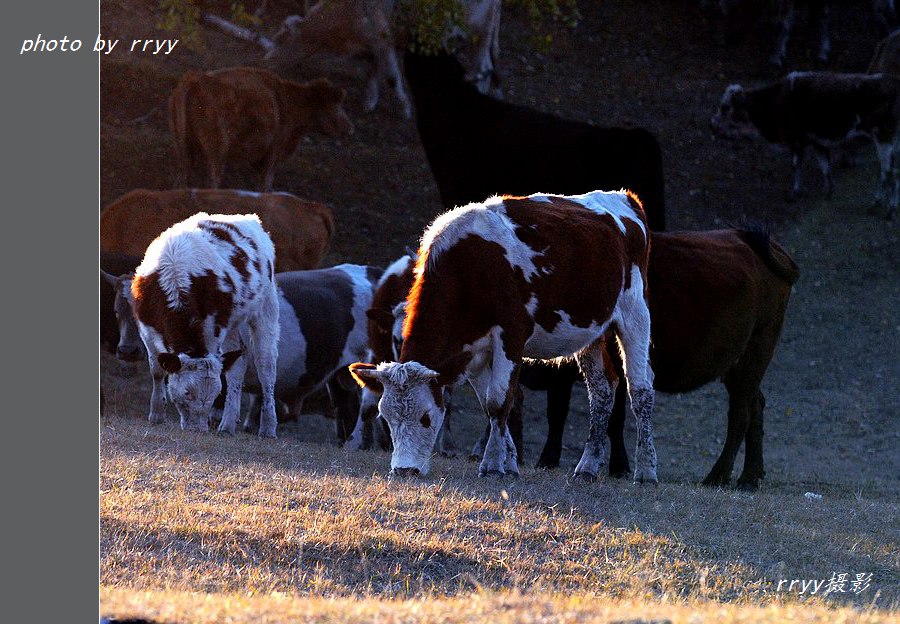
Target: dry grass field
{"points": [[210, 528]]}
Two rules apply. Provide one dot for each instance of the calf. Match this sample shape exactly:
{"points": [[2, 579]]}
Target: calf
{"points": [[538, 277], [818, 110], [204, 287], [118, 333], [355, 28], [248, 114], [300, 229], [717, 304], [478, 146], [322, 316]]}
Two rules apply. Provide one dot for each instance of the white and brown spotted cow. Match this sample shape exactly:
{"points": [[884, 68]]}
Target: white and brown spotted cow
{"points": [[819, 110], [202, 281], [540, 277]]}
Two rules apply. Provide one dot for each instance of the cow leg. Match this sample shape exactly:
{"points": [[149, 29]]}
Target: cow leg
{"points": [[818, 10], [887, 193], [823, 159], [234, 384], [444, 445], [786, 24], [740, 402], [601, 384], [797, 155], [559, 395], [753, 451], [158, 393], [495, 387], [618, 456], [389, 71], [264, 331]]}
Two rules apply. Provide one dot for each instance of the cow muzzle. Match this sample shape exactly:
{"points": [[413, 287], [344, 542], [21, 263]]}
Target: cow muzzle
{"points": [[405, 472]]}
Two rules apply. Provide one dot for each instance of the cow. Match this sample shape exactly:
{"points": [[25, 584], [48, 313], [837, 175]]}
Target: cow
{"points": [[478, 146], [717, 305], [353, 28], [539, 277], [203, 286], [818, 110], [301, 229], [739, 15], [248, 114], [384, 328], [118, 333], [323, 329]]}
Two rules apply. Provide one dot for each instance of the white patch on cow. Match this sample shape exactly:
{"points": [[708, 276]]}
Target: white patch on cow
{"points": [[486, 220], [397, 268], [358, 339], [612, 203], [565, 339], [246, 193]]}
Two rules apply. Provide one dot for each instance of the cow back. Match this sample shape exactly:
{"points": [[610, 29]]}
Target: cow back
{"points": [[300, 229]]}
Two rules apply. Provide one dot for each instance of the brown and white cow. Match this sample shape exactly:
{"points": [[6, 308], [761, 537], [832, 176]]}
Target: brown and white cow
{"points": [[819, 110], [300, 229], [539, 277], [251, 115], [202, 283]]}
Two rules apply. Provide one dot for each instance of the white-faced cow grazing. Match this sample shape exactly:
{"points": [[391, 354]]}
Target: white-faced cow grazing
{"points": [[250, 115], [818, 110], [200, 283], [538, 277], [322, 315]]}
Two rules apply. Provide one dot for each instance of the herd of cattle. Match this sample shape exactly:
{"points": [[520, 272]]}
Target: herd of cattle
{"points": [[221, 291]]}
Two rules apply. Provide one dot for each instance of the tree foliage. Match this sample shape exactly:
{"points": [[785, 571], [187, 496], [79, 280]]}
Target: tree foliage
{"points": [[425, 23]]}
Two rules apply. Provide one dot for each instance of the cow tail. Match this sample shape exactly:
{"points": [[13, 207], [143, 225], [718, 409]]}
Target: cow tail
{"points": [[773, 254]]}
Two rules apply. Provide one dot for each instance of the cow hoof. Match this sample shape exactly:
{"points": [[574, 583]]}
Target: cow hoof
{"points": [[155, 419], [491, 473], [267, 434], [715, 481], [648, 476], [748, 486], [585, 476]]}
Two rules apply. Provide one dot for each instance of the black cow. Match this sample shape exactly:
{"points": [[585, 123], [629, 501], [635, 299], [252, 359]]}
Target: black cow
{"points": [[819, 110], [478, 146], [118, 332]]}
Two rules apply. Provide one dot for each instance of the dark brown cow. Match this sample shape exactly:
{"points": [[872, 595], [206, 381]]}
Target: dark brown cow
{"points": [[717, 304], [301, 229], [248, 114], [819, 110], [539, 277]]}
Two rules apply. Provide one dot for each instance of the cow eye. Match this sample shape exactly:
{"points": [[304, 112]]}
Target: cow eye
{"points": [[426, 422]]}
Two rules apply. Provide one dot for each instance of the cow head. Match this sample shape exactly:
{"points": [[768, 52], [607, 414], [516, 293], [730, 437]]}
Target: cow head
{"points": [[193, 384], [331, 118], [733, 119], [130, 347], [413, 406]]}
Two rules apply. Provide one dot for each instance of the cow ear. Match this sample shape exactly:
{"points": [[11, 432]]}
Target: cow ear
{"points": [[382, 319], [170, 362], [367, 376], [451, 368], [230, 358]]}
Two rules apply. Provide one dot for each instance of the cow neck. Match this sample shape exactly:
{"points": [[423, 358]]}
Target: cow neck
{"points": [[760, 104]]}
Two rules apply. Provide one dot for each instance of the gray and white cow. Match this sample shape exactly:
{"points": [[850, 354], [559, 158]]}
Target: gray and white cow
{"points": [[204, 293], [322, 315], [820, 110]]}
